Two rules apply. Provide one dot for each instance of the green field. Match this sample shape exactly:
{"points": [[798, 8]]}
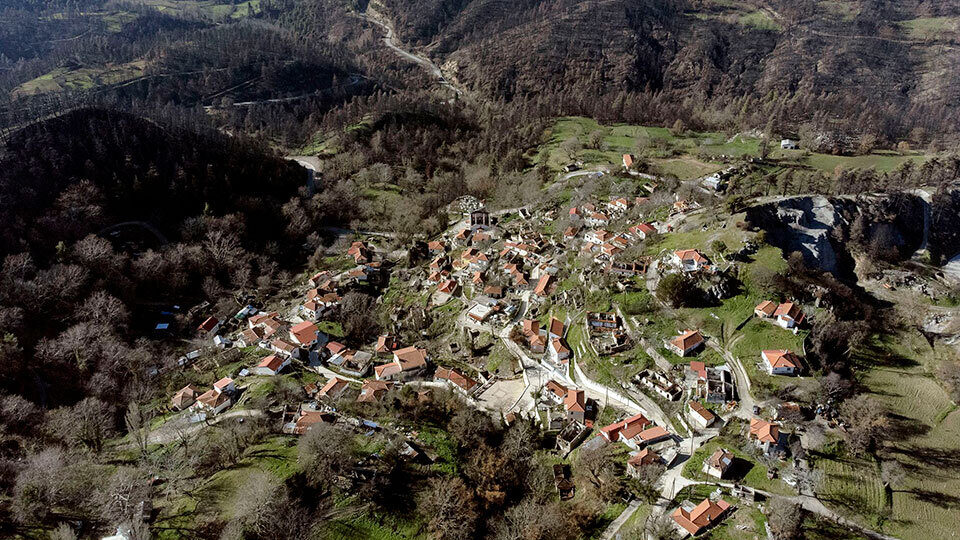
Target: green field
{"points": [[899, 372], [931, 27], [691, 155], [217, 9], [64, 79], [760, 20], [622, 139], [755, 474], [854, 486], [880, 161]]}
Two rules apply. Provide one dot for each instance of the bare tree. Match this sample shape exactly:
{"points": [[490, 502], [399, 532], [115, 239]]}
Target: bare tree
{"points": [[657, 528], [866, 422], [570, 148], [450, 509], [89, 422], [785, 518], [892, 473], [137, 420], [325, 453]]}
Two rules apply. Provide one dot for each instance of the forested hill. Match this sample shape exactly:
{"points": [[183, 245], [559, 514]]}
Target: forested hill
{"points": [[64, 178], [878, 65]]}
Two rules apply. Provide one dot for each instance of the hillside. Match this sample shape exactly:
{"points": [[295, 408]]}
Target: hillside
{"points": [[866, 62]]}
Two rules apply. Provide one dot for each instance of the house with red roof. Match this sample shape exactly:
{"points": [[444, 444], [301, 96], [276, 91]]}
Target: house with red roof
{"points": [[765, 309], [642, 231], [386, 344], [686, 343], [304, 334], [334, 388], [449, 286], [627, 161], [700, 415], [718, 463], [789, 315], [641, 459], [284, 348], [766, 435], [225, 385], [543, 286], [598, 236], [306, 420], [555, 391], [212, 402], [559, 352], [555, 328], [619, 204], [271, 365], [185, 397], [693, 520], [780, 362], [208, 326], [407, 363], [575, 403], [632, 426], [597, 219], [456, 379], [690, 260], [373, 391]]}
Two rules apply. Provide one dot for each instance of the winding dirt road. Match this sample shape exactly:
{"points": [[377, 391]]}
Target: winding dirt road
{"points": [[390, 40]]}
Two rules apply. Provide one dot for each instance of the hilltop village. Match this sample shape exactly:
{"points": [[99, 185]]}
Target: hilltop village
{"points": [[536, 315]]}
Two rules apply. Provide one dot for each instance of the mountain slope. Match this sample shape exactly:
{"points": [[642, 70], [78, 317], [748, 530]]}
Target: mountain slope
{"points": [[863, 60]]}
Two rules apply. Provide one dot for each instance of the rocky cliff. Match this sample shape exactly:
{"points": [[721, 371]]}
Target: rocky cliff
{"points": [[826, 230]]}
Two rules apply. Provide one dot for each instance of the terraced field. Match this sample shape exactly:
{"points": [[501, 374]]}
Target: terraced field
{"points": [[80, 78], [855, 487], [925, 439]]}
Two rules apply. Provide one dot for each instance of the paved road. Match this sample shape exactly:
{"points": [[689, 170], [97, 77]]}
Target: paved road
{"points": [[172, 429], [614, 527], [746, 401], [390, 41]]}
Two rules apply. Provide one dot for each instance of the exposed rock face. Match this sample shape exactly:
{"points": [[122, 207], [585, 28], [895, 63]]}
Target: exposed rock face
{"points": [[801, 224], [825, 230]]}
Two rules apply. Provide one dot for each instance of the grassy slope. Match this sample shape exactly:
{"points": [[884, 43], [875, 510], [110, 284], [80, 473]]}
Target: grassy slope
{"points": [[622, 138], [756, 473], [62, 79], [899, 373]]}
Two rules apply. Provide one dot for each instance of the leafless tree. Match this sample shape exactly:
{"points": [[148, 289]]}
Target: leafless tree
{"points": [[137, 419], [892, 473], [325, 453], [121, 500], [450, 509], [866, 421], [785, 519], [657, 528], [570, 148], [89, 423]]}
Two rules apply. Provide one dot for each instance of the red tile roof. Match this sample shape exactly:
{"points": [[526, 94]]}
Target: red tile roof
{"points": [[456, 378], [791, 310], [764, 431], [272, 362], [305, 332], [704, 514], [766, 307], [208, 324], [781, 358], [688, 339], [575, 401], [333, 387], [700, 368], [704, 412], [690, 255]]}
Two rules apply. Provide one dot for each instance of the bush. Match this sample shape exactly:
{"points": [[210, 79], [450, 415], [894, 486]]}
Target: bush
{"points": [[679, 290]]}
